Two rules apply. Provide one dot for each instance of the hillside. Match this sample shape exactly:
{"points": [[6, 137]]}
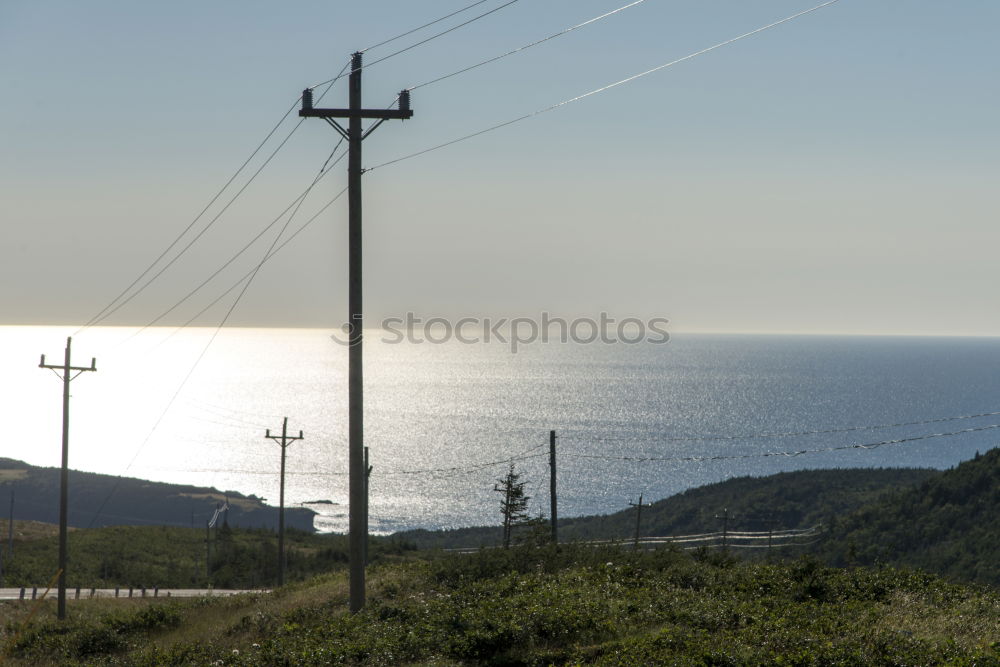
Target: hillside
{"points": [[791, 499], [105, 500], [530, 606], [946, 524]]}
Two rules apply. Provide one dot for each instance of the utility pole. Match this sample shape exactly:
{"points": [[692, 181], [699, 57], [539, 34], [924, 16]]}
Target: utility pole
{"points": [[725, 525], [770, 521], [208, 552], [368, 475], [69, 373], [10, 536], [284, 441], [10, 526], [358, 514], [552, 484], [638, 520]]}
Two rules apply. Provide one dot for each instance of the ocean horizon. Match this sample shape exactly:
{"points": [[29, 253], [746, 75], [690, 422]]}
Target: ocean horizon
{"points": [[443, 421]]}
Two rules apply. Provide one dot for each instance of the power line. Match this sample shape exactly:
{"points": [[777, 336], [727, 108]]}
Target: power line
{"points": [[440, 34], [236, 471], [117, 303], [785, 434], [209, 407], [721, 457], [527, 46], [235, 423], [408, 32], [249, 274], [426, 25], [475, 467], [100, 315], [239, 297], [468, 468], [296, 203], [603, 88], [203, 231]]}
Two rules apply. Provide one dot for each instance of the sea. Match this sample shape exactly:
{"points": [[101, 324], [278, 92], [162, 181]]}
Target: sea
{"points": [[443, 422]]}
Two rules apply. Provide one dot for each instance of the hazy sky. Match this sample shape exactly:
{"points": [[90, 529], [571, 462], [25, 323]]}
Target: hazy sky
{"points": [[837, 173]]}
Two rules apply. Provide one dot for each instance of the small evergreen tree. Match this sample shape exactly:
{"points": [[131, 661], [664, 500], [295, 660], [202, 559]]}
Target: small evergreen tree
{"points": [[514, 506]]}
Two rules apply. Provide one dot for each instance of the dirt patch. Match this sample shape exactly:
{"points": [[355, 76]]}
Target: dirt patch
{"points": [[30, 530]]}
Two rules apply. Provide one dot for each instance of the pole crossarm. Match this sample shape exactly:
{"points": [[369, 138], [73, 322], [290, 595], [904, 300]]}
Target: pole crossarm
{"points": [[383, 114], [80, 369], [281, 439]]}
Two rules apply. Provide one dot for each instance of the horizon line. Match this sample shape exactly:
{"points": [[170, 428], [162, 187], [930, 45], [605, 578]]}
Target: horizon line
{"points": [[678, 331]]}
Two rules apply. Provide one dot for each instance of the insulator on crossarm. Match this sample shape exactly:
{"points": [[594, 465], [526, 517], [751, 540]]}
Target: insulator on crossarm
{"points": [[307, 98], [404, 100]]}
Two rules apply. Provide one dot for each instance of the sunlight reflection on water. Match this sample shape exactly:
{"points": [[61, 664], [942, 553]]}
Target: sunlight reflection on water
{"points": [[444, 406]]}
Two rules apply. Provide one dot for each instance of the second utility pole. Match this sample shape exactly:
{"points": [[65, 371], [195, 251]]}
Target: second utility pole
{"points": [[553, 505], [284, 441], [69, 372], [358, 500]]}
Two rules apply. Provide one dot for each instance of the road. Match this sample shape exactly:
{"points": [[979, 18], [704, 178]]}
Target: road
{"points": [[122, 593]]}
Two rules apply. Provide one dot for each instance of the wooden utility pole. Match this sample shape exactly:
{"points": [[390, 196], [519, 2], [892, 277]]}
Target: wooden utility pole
{"points": [[725, 526], [552, 485], [10, 526], [284, 440], [69, 373], [638, 520], [208, 552], [358, 514], [771, 521], [368, 474]]}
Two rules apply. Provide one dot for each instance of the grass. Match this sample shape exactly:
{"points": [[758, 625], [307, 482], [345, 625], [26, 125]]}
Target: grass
{"points": [[539, 606], [172, 557]]}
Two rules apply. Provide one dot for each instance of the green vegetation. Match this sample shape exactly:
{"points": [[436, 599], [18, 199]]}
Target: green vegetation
{"points": [[167, 557], [793, 499], [947, 524], [535, 604], [514, 506], [542, 606]]}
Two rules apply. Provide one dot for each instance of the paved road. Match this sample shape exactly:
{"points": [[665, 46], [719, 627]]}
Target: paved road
{"points": [[122, 593]]}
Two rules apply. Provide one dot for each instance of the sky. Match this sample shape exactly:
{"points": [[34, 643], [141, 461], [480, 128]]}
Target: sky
{"points": [[836, 173]]}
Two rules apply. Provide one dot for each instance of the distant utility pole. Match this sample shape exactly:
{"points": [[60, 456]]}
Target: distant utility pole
{"points": [[770, 521], [725, 526], [208, 551], [354, 134], [10, 535], [552, 484], [368, 475], [69, 373], [638, 519], [284, 440], [10, 526]]}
